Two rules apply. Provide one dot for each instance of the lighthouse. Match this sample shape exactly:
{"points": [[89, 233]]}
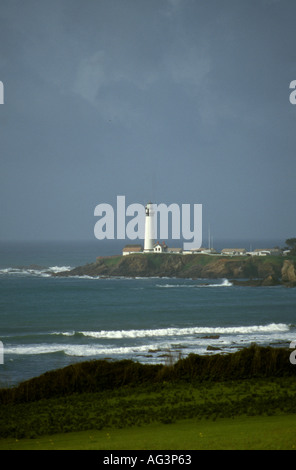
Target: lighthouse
{"points": [[149, 228]]}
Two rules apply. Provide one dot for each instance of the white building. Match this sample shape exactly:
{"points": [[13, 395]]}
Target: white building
{"points": [[130, 249], [234, 251], [265, 252], [149, 229], [160, 247], [203, 251], [149, 245], [178, 251]]}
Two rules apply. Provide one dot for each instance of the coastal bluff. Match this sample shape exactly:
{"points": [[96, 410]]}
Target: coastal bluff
{"points": [[242, 270]]}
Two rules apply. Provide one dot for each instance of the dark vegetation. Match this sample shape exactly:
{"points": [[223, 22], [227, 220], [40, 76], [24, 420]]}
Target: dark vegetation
{"points": [[291, 245], [102, 394], [100, 375]]}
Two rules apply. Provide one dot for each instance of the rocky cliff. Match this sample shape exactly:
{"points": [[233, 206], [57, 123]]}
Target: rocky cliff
{"points": [[245, 270], [289, 273]]}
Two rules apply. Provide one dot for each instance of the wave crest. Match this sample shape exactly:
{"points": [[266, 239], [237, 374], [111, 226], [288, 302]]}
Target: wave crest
{"points": [[38, 271], [165, 332], [224, 283]]}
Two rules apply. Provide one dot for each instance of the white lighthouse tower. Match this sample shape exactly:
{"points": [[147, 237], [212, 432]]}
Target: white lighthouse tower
{"points": [[149, 228]]}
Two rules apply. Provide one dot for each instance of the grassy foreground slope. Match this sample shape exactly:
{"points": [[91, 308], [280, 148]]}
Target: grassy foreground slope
{"points": [[242, 433], [102, 399]]}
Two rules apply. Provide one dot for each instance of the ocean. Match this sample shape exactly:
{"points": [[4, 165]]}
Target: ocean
{"points": [[50, 322]]}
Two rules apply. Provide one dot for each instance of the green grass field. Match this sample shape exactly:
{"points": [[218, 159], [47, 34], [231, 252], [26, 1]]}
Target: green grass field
{"points": [[245, 400], [241, 433]]}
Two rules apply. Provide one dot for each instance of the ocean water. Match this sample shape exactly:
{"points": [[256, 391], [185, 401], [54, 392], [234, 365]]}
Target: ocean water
{"points": [[47, 322]]}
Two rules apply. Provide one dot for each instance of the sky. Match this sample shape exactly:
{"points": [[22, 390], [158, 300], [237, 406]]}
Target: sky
{"points": [[170, 101]]}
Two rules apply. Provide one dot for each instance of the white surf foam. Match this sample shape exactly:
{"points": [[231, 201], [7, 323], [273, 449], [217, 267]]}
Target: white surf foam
{"points": [[79, 350], [224, 283], [156, 341], [59, 269], [168, 332], [28, 271]]}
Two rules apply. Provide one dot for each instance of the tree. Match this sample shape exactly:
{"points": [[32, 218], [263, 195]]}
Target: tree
{"points": [[291, 243]]}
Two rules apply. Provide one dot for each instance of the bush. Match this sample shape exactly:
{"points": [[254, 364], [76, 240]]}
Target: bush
{"points": [[97, 376]]}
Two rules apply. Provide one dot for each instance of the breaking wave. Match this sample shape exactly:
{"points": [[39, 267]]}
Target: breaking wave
{"points": [[168, 332], [149, 344], [75, 350], [224, 283], [38, 271]]}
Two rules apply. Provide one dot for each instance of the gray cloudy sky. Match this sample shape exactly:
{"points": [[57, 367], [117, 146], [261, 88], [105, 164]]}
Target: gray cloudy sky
{"points": [[175, 101]]}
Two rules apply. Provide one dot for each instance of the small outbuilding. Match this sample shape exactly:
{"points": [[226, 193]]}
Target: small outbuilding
{"points": [[234, 251], [159, 247], [130, 249], [266, 252]]}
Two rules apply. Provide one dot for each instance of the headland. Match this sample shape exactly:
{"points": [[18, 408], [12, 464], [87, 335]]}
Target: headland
{"points": [[241, 270]]}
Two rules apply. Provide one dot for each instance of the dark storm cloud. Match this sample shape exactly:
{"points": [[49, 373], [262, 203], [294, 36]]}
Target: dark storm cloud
{"points": [[174, 100]]}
